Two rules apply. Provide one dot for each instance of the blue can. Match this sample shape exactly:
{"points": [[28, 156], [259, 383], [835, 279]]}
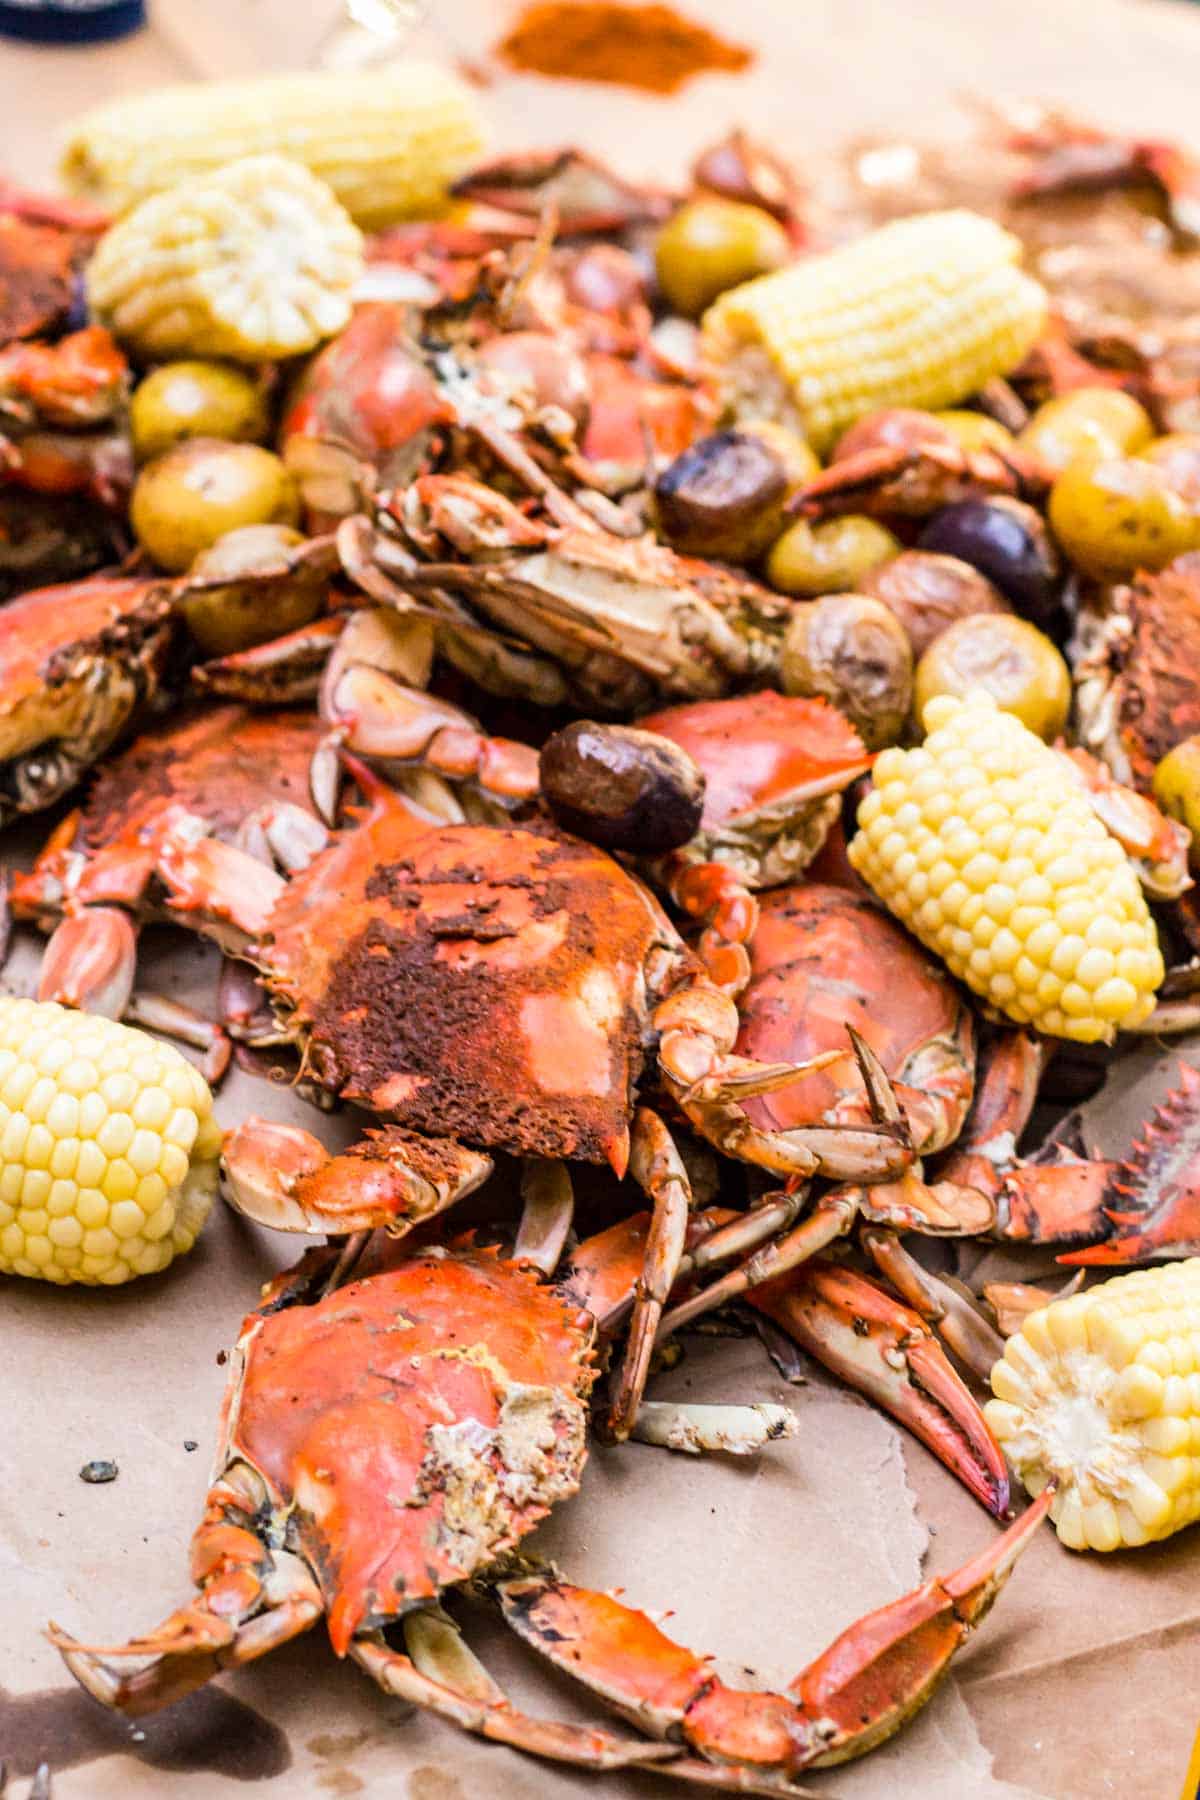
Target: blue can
{"points": [[70, 21]]}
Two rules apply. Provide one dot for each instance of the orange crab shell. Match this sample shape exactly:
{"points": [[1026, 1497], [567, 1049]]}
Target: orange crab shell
{"points": [[1157, 691], [756, 750], [481, 982], [220, 765], [822, 959], [413, 1425]]}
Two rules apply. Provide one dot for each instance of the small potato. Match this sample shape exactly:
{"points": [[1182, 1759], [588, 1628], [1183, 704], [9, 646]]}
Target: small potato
{"points": [[712, 244], [852, 650], [1177, 789], [267, 590], [622, 788], [831, 557], [1007, 541], [184, 501], [1088, 422], [1010, 659], [1117, 514], [799, 459], [723, 497], [1178, 456], [975, 430], [196, 399], [928, 592]]}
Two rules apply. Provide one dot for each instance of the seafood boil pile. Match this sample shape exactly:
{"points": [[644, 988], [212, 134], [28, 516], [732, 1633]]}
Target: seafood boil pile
{"points": [[684, 708]]}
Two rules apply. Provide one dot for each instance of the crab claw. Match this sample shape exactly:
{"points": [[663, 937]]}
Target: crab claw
{"points": [[282, 1176], [887, 1352], [857, 1693], [90, 962], [1157, 1187]]}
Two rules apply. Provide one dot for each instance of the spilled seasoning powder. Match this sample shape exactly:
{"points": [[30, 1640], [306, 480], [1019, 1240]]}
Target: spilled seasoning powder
{"points": [[650, 47]]}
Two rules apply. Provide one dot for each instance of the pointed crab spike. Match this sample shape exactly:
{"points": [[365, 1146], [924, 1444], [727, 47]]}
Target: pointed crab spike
{"points": [[885, 1108], [90, 962], [887, 1352], [1053, 1203], [1161, 1176], [282, 1176]]}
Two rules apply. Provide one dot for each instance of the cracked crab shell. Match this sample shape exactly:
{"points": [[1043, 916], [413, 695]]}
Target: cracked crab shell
{"points": [[413, 1425]]}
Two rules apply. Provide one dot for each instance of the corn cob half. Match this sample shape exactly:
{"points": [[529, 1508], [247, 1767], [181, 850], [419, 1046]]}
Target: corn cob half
{"points": [[918, 313], [1101, 1393], [108, 1147], [253, 261], [990, 854], [389, 142]]}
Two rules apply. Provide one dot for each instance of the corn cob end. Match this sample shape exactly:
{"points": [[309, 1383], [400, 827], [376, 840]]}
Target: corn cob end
{"points": [[109, 1150], [1101, 1393]]}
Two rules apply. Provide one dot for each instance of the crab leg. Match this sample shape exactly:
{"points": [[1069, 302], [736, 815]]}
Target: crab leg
{"points": [[90, 962], [861, 1690], [251, 1600], [830, 1218], [698, 1027], [658, 1169], [547, 1208], [282, 1176], [379, 718], [443, 1677], [957, 1322], [886, 1351]]}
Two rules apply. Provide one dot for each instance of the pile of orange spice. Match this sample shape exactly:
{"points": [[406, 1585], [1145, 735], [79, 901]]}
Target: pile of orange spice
{"points": [[650, 47]]}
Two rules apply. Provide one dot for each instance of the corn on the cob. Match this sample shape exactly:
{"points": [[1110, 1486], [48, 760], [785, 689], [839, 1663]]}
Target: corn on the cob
{"points": [[1101, 1393], [919, 313], [994, 859], [389, 142], [254, 261], [108, 1147]]}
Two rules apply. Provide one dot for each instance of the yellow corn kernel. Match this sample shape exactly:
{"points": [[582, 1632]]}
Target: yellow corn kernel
{"points": [[253, 261], [1086, 1398], [920, 313], [389, 142], [1046, 962], [93, 1216]]}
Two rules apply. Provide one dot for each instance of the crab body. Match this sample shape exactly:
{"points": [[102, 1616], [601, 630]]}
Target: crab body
{"points": [[388, 1440], [822, 956], [235, 769], [626, 621], [1136, 689], [76, 664], [484, 981]]}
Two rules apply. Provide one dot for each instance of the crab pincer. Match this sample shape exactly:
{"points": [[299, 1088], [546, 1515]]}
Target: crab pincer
{"points": [[853, 1697], [886, 1351]]}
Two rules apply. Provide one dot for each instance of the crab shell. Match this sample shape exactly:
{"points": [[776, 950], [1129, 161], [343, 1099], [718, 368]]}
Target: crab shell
{"points": [[1137, 690], [479, 982], [411, 1426], [75, 662], [774, 768], [824, 958], [222, 765]]}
